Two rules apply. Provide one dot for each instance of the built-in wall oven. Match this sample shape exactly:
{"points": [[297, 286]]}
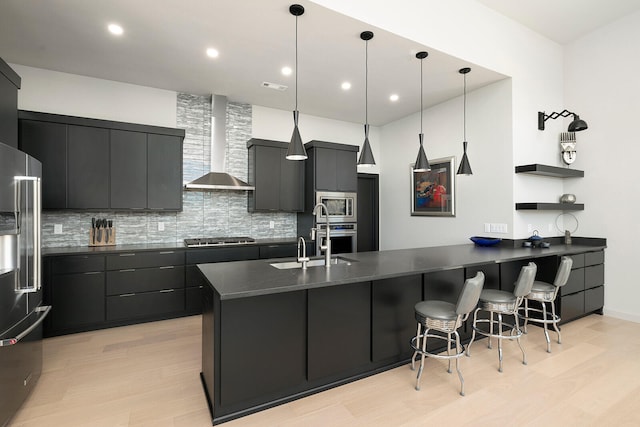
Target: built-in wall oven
{"points": [[342, 207], [344, 238]]}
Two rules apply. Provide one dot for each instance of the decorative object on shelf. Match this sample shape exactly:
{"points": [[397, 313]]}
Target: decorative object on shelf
{"points": [[433, 191], [485, 241], [296, 149], [575, 126], [568, 144], [465, 167], [567, 227], [366, 157], [422, 163], [568, 198]]}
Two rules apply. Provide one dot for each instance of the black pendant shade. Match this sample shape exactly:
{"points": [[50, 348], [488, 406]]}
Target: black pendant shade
{"points": [[422, 163], [465, 167], [366, 155], [577, 124], [296, 150]]}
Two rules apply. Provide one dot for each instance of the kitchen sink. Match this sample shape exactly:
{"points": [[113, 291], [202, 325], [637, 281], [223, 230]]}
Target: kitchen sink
{"points": [[314, 262]]}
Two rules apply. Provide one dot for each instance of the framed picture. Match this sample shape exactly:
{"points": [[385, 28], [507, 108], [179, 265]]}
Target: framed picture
{"points": [[433, 192]]}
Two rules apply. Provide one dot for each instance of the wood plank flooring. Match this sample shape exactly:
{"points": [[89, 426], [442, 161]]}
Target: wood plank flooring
{"points": [[148, 375]]}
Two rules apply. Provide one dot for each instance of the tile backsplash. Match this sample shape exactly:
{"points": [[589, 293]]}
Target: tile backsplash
{"points": [[205, 214]]}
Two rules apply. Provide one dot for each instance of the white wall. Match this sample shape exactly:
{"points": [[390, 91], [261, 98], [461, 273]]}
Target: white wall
{"points": [[602, 87], [269, 123], [73, 95], [480, 197]]}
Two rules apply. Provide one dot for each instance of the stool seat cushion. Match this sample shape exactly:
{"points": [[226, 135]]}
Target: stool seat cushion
{"points": [[439, 310], [496, 296], [542, 287]]}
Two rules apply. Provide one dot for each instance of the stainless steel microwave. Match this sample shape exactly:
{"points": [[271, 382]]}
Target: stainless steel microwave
{"points": [[342, 207]]}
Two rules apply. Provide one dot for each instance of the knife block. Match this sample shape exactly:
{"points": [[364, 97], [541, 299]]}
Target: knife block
{"points": [[93, 237]]}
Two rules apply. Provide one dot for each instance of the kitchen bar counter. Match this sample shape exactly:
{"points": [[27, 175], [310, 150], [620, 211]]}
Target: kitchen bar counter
{"points": [[272, 335]]}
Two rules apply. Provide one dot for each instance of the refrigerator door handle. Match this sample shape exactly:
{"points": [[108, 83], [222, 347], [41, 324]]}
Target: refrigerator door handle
{"points": [[13, 341], [36, 282]]}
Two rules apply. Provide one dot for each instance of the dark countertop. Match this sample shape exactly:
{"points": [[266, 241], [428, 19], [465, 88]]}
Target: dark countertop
{"points": [[242, 279], [84, 250]]}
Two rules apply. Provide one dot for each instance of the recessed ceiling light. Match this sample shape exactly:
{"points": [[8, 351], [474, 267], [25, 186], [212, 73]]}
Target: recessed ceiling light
{"points": [[115, 29], [345, 86], [212, 53], [286, 71], [394, 98]]}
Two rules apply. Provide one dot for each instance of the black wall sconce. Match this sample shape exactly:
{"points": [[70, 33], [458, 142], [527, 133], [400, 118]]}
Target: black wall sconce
{"points": [[576, 125]]}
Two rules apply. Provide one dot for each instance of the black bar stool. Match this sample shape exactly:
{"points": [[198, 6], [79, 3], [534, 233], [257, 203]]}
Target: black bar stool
{"points": [[501, 303], [447, 318], [544, 293]]}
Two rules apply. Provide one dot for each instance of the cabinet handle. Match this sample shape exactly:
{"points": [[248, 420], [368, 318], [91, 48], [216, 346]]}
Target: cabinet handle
{"points": [[166, 267], [93, 272], [167, 252], [126, 295], [166, 291], [127, 254], [128, 270]]}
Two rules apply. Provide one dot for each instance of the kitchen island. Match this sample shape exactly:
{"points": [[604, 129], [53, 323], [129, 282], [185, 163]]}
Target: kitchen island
{"points": [[273, 335]]}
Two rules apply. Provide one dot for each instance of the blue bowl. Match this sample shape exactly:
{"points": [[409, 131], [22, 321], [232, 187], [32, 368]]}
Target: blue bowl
{"points": [[484, 241]]}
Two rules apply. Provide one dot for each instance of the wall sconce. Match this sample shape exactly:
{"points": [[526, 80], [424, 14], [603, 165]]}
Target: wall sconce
{"points": [[576, 125]]}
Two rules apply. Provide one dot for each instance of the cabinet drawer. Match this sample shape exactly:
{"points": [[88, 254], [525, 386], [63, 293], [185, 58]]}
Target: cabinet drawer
{"points": [[202, 256], [578, 260], [571, 306], [593, 258], [144, 259], [593, 299], [593, 276], [575, 283], [278, 251], [77, 264], [146, 304], [144, 280], [77, 300]]}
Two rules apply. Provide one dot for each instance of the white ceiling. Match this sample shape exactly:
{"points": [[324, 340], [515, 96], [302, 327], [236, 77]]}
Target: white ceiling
{"points": [[165, 41]]}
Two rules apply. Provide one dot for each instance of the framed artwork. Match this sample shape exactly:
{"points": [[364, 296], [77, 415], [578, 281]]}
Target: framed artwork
{"points": [[433, 192]]}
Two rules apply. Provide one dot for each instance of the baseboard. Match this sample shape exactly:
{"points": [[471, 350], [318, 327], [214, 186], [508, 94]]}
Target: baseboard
{"points": [[622, 315]]}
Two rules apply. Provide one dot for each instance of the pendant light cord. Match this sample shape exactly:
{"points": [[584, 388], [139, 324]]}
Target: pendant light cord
{"points": [[421, 60], [464, 109], [366, 82], [296, 63]]}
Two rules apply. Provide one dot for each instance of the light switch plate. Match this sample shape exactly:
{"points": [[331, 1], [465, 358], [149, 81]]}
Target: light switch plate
{"points": [[161, 226], [57, 228]]}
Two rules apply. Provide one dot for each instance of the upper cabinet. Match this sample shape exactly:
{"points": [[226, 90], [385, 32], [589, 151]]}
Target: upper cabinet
{"points": [[278, 182], [554, 172], [97, 164], [331, 167], [9, 85]]}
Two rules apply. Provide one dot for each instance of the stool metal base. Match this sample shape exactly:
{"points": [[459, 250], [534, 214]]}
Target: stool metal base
{"points": [[547, 318], [513, 329], [419, 344]]}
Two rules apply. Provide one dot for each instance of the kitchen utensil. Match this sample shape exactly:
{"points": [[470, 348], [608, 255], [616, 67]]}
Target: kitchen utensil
{"points": [[93, 230], [109, 230], [99, 231]]}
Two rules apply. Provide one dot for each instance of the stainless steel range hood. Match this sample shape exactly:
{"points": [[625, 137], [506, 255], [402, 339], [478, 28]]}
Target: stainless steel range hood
{"points": [[218, 179]]}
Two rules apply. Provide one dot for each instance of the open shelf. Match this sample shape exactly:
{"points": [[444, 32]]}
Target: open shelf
{"points": [[550, 206], [554, 171]]}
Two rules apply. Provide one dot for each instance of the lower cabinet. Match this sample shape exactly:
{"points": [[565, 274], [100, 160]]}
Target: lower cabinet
{"points": [[146, 304], [584, 290]]}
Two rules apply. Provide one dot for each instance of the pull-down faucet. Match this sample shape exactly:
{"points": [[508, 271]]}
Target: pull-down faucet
{"points": [[327, 246], [304, 258]]}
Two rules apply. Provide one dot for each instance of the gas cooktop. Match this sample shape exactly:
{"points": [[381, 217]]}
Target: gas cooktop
{"points": [[216, 241]]}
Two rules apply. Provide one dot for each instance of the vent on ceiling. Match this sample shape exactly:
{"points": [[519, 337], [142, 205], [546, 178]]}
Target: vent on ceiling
{"points": [[275, 86]]}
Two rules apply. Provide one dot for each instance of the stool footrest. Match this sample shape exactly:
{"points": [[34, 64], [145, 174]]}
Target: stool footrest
{"points": [[511, 327], [551, 318], [434, 355]]}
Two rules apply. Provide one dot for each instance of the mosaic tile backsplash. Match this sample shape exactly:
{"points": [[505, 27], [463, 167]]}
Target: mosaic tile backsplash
{"points": [[205, 214]]}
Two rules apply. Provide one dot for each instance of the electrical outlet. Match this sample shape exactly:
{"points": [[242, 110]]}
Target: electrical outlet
{"points": [[57, 228], [161, 226], [487, 227], [272, 224]]}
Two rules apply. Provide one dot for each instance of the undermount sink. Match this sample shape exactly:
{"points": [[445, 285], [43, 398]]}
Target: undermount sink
{"points": [[315, 262]]}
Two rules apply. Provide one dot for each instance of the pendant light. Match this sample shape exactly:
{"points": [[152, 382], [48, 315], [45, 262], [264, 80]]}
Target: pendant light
{"points": [[465, 167], [422, 164], [366, 156], [296, 149]]}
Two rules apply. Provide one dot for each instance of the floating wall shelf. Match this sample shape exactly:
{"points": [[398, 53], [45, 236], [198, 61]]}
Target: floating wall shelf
{"points": [[550, 206], [553, 171]]}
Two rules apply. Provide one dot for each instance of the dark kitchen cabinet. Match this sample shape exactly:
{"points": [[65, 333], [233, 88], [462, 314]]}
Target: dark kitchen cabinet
{"points": [[331, 167], [74, 287], [99, 164], [278, 182], [9, 85], [128, 172], [584, 291]]}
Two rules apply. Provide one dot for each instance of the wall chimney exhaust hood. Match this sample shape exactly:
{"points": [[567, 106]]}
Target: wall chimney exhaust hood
{"points": [[218, 179]]}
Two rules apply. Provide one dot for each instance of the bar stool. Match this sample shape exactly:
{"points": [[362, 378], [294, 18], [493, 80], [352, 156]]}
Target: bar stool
{"points": [[447, 318], [502, 302], [544, 293]]}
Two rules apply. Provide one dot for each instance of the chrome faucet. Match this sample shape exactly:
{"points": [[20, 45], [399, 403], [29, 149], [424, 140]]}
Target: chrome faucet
{"points": [[327, 245], [304, 258]]}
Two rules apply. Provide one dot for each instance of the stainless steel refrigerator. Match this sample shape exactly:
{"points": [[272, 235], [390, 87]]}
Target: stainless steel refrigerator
{"points": [[21, 309]]}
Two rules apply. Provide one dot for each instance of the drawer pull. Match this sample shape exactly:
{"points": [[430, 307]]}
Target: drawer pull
{"points": [[127, 254], [126, 295], [167, 252], [167, 267], [166, 291], [128, 270], [93, 272]]}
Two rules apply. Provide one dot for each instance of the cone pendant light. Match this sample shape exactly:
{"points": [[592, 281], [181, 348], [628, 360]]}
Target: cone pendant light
{"points": [[422, 164], [366, 156], [296, 149], [465, 167]]}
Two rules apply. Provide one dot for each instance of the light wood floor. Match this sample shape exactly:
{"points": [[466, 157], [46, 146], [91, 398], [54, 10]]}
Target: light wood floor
{"points": [[147, 375]]}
